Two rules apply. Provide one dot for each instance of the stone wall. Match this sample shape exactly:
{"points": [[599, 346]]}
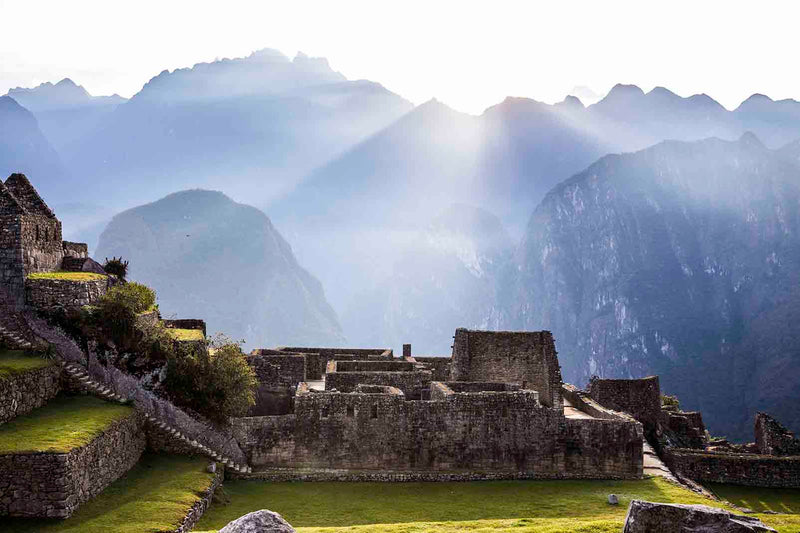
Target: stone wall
{"points": [[47, 293], [384, 431], [526, 358], [411, 381], [317, 358], [278, 376], [55, 484], [201, 506], [606, 449], [12, 270], [738, 469], [641, 398], [772, 438], [439, 366], [75, 249], [22, 393]]}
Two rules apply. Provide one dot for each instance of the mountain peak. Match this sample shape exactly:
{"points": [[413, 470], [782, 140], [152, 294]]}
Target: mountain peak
{"points": [[749, 138], [571, 102], [622, 89]]}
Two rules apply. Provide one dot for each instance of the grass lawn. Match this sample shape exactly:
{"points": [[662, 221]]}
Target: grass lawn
{"points": [[16, 362], [520, 506], [785, 501], [65, 423], [67, 276], [152, 497], [186, 334]]}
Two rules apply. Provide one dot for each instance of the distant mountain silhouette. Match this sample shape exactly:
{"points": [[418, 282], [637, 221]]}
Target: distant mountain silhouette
{"points": [[209, 257], [253, 125], [23, 148]]}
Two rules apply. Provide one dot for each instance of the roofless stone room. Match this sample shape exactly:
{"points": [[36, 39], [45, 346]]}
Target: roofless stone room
{"points": [[372, 267]]}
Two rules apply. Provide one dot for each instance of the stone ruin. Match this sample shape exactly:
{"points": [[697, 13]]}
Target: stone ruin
{"points": [[681, 439], [494, 409]]}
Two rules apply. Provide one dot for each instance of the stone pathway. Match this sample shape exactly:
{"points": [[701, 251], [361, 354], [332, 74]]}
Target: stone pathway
{"points": [[654, 466], [571, 411]]}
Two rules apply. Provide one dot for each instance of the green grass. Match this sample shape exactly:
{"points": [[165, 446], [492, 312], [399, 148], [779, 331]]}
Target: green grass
{"points": [[520, 506], [152, 497], [186, 334], [16, 362], [785, 501], [65, 423], [67, 276]]}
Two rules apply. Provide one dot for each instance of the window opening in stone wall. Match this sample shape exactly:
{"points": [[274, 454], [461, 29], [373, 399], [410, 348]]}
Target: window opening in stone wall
{"points": [[38, 236], [46, 234], [505, 411], [351, 411], [325, 411], [374, 411]]}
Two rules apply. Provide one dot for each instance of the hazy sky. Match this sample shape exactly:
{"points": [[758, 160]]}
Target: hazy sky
{"points": [[467, 54]]}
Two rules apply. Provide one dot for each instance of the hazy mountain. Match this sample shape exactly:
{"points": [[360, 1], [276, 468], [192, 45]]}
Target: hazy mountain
{"points": [[681, 260], [23, 148], [448, 277], [209, 257], [253, 126], [65, 111]]}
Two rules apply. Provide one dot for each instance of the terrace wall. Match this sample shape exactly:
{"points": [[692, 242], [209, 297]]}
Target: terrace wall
{"points": [[412, 382], [641, 398], [735, 468], [53, 485], [47, 293], [278, 376], [317, 358], [22, 393]]}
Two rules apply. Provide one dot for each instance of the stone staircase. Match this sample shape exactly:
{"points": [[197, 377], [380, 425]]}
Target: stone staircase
{"points": [[81, 378], [14, 338]]}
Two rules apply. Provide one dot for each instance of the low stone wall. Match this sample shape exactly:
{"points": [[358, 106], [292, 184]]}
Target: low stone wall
{"points": [[278, 370], [46, 293], [604, 449], [75, 249], [439, 366], [22, 393], [53, 485], [772, 438], [583, 402], [201, 506], [317, 358], [411, 383], [738, 469]]}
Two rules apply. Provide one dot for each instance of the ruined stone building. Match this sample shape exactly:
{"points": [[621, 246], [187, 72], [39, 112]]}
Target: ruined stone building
{"points": [[495, 409]]}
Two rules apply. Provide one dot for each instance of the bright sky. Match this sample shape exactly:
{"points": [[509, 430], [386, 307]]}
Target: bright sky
{"points": [[468, 54]]}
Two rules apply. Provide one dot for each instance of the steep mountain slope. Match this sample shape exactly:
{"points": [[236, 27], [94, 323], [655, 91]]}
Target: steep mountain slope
{"points": [[23, 148], [252, 125], [447, 277], [209, 257], [65, 111], [681, 260]]}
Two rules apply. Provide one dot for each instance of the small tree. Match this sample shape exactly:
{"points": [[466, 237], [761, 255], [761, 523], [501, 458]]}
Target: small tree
{"points": [[214, 380], [116, 266], [117, 310]]}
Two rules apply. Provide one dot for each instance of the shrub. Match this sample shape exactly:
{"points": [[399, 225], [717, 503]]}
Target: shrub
{"points": [[116, 266], [214, 380], [117, 310], [670, 401]]}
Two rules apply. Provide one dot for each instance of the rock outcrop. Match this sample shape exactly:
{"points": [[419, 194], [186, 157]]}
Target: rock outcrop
{"points": [[649, 517], [262, 521]]}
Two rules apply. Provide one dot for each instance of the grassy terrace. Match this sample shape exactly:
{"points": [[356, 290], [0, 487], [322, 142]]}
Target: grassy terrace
{"points": [[65, 423], [186, 334], [16, 362], [152, 497], [67, 276], [519, 506]]}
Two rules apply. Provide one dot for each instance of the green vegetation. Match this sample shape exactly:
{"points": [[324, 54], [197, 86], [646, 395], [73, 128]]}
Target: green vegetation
{"points": [[16, 362], [761, 500], [116, 266], [65, 423], [214, 380], [153, 496], [671, 401], [133, 296], [186, 334], [67, 276], [520, 506]]}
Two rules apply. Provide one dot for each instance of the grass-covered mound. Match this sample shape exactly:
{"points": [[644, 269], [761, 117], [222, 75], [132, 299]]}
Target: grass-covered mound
{"points": [[67, 276], [153, 496], [520, 506], [186, 334], [65, 423], [15, 362]]}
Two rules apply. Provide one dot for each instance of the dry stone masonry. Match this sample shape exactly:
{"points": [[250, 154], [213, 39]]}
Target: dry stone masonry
{"points": [[24, 392]]}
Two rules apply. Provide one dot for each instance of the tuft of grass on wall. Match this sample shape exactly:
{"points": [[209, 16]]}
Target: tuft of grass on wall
{"points": [[186, 334], [153, 496], [67, 276], [15, 362], [65, 423]]}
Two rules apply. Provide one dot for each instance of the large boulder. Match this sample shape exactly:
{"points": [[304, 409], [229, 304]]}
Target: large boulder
{"points": [[262, 521], [649, 517]]}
